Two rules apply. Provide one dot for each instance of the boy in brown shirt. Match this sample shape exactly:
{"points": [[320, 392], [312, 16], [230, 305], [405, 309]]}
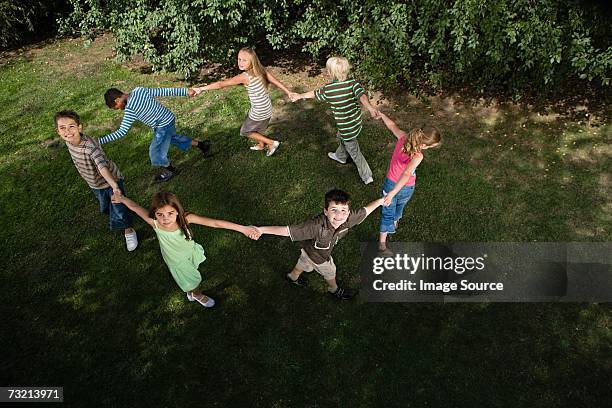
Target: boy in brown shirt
{"points": [[319, 235]]}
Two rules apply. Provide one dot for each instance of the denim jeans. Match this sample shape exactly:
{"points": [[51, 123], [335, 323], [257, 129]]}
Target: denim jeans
{"points": [[162, 138], [395, 210], [119, 216]]}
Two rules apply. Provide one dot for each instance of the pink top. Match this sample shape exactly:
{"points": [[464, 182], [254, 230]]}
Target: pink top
{"points": [[399, 162]]}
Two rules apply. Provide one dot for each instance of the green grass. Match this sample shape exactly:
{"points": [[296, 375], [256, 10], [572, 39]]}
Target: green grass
{"points": [[115, 330]]}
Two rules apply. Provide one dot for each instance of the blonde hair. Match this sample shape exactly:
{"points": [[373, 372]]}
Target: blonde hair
{"points": [[427, 136], [338, 68], [258, 69]]}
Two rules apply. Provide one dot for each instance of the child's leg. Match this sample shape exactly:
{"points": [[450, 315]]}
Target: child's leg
{"points": [[352, 147], [295, 273], [158, 150], [261, 140], [388, 213], [341, 153], [304, 264]]}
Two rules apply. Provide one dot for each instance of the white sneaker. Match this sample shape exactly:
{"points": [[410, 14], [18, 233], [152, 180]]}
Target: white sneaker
{"points": [[368, 181], [257, 147], [274, 147], [190, 297], [131, 241], [209, 303], [332, 155]]}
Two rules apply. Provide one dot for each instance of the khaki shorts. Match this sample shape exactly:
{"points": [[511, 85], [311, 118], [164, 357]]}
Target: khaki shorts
{"points": [[251, 125], [326, 269]]}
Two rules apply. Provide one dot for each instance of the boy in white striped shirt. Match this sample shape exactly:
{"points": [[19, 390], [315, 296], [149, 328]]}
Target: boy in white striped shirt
{"points": [[141, 105]]}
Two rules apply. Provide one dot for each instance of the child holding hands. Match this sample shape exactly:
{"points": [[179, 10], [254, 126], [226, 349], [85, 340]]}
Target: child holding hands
{"points": [[344, 96], [401, 175], [255, 79], [180, 252]]}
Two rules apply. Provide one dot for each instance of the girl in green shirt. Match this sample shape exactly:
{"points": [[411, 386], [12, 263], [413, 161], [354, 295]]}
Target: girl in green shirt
{"points": [[180, 252]]}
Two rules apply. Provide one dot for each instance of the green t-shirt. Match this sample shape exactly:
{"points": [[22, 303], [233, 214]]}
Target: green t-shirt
{"points": [[343, 99]]}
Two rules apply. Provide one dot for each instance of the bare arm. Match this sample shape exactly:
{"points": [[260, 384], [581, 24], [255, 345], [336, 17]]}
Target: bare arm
{"points": [[282, 231], [373, 205], [272, 79], [106, 174], [365, 101], [250, 232], [306, 95], [138, 210], [399, 133], [414, 163], [237, 80]]}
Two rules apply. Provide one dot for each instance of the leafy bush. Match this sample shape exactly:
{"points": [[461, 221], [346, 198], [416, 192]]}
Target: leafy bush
{"points": [[515, 45], [26, 19]]}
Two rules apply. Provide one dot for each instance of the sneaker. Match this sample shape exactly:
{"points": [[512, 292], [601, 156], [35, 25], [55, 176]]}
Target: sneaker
{"points": [[343, 293], [131, 241], [273, 149], [332, 155], [300, 281], [204, 147], [190, 297], [257, 147], [166, 174], [368, 181], [209, 303]]}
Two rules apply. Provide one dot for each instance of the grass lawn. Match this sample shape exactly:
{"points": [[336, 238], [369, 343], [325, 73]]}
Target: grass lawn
{"points": [[114, 329]]}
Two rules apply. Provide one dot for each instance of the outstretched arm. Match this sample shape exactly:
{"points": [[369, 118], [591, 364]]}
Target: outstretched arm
{"points": [[272, 79], [373, 205], [365, 101], [237, 80], [138, 210], [250, 232], [282, 231], [306, 95], [417, 158], [399, 133], [107, 175]]}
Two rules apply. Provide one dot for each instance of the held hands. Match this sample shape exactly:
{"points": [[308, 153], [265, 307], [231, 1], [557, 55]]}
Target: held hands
{"points": [[117, 197], [197, 91], [252, 232], [375, 113], [388, 197], [294, 96]]}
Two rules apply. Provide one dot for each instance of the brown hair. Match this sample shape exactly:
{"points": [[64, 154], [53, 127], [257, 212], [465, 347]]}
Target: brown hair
{"points": [[426, 135], [258, 69], [164, 198], [67, 114]]}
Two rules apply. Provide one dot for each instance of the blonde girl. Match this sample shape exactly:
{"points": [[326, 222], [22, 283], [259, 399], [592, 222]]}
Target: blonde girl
{"points": [[401, 176], [180, 252], [256, 79]]}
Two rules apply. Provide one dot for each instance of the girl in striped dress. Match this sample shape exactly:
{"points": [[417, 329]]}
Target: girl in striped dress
{"points": [[256, 80]]}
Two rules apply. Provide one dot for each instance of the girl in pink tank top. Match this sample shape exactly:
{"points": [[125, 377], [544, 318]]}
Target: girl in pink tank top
{"points": [[401, 176]]}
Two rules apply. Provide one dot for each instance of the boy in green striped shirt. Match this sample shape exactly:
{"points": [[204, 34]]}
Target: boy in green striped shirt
{"points": [[344, 96]]}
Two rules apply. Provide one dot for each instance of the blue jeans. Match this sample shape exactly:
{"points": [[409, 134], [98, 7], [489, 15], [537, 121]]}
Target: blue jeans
{"points": [[119, 216], [395, 210], [162, 138]]}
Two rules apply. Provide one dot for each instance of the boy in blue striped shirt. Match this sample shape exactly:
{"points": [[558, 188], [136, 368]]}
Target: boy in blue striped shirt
{"points": [[141, 105]]}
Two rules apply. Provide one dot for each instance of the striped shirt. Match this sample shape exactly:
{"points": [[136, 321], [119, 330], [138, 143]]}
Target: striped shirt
{"points": [[261, 104], [88, 158], [343, 98], [142, 106]]}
